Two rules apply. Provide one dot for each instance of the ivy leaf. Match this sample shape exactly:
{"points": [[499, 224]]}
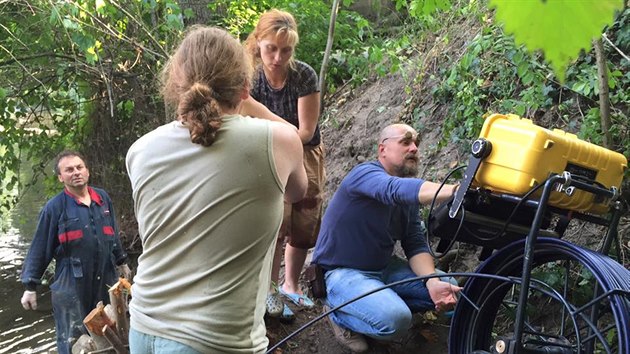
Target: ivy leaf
{"points": [[561, 28], [188, 13], [420, 8]]}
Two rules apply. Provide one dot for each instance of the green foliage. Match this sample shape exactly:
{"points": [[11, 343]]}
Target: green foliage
{"points": [[73, 74], [581, 280], [8, 198], [496, 75], [82, 73], [493, 75], [422, 8], [582, 81], [561, 28], [357, 52]]}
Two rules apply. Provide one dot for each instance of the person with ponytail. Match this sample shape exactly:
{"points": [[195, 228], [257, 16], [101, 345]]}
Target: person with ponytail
{"points": [[208, 191], [289, 88]]}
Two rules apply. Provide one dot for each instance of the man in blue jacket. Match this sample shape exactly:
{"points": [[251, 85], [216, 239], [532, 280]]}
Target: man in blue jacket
{"points": [[78, 229], [376, 205]]}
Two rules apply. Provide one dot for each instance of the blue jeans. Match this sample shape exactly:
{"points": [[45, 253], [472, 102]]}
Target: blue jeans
{"points": [[143, 343], [386, 314]]}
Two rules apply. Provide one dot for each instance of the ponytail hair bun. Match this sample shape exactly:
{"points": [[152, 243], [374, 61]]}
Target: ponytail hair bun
{"points": [[200, 111]]}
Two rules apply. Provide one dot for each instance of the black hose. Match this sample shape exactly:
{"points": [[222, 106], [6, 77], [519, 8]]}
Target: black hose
{"points": [[427, 222], [442, 275], [471, 328], [463, 212]]}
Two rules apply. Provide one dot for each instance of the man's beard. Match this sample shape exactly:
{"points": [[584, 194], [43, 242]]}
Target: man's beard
{"points": [[408, 169]]}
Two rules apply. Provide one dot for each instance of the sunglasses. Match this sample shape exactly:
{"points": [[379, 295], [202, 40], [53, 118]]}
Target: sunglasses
{"points": [[405, 139]]}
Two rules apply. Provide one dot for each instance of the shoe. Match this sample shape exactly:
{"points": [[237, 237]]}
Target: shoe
{"points": [[299, 300], [287, 315], [274, 306], [351, 340]]}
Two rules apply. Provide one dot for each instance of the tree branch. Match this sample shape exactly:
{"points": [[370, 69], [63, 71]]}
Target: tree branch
{"points": [[105, 29], [329, 43], [604, 100], [20, 64], [36, 56], [142, 26], [615, 47]]}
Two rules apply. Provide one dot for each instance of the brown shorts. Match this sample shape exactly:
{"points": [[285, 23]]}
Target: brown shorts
{"points": [[302, 220]]}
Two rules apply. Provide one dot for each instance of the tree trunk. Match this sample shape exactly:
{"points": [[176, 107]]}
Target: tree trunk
{"points": [[201, 13], [329, 43], [604, 102]]}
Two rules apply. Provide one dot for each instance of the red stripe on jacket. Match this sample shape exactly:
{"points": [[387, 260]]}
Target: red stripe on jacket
{"points": [[108, 230], [70, 236]]}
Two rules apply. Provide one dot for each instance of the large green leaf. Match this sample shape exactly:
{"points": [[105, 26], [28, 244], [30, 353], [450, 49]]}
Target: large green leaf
{"points": [[561, 28]]}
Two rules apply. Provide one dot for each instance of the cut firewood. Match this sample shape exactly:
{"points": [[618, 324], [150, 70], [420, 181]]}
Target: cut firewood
{"points": [[107, 350], [110, 312], [100, 341], [114, 340], [85, 344], [95, 321], [118, 295], [122, 285], [108, 326]]}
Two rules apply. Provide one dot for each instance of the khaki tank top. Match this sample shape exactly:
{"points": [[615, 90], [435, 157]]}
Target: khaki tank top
{"points": [[208, 219]]}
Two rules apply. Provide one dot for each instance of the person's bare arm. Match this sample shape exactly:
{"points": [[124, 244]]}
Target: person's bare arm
{"points": [[288, 157], [428, 189], [308, 115], [422, 264], [251, 107], [442, 293]]}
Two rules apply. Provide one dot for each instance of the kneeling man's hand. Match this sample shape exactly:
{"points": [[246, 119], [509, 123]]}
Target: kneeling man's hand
{"points": [[443, 294]]}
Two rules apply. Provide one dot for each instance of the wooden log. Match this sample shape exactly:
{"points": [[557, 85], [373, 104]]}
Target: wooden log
{"points": [[114, 340], [110, 312], [118, 297], [107, 350], [99, 341], [84, 344], [95, 321]]}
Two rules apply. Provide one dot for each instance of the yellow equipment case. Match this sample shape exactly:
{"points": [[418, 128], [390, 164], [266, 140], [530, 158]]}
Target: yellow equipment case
{"points": [[524, 155]]}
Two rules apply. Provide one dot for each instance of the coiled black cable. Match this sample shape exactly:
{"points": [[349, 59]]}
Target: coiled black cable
{"points": [[516, 208], [471, 327], [611, 276]]}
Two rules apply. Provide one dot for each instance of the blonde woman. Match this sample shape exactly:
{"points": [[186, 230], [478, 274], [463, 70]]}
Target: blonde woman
{"points": [[288, 87]]}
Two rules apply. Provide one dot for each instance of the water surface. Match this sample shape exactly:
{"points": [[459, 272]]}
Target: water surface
{"points": [[22, 331]]}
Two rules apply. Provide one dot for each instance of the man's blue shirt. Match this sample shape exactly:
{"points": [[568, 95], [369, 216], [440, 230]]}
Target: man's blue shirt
{"points": [[368, 213]]}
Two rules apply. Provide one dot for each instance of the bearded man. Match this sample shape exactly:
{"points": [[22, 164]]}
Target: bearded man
{"points": [[376, 205]]}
